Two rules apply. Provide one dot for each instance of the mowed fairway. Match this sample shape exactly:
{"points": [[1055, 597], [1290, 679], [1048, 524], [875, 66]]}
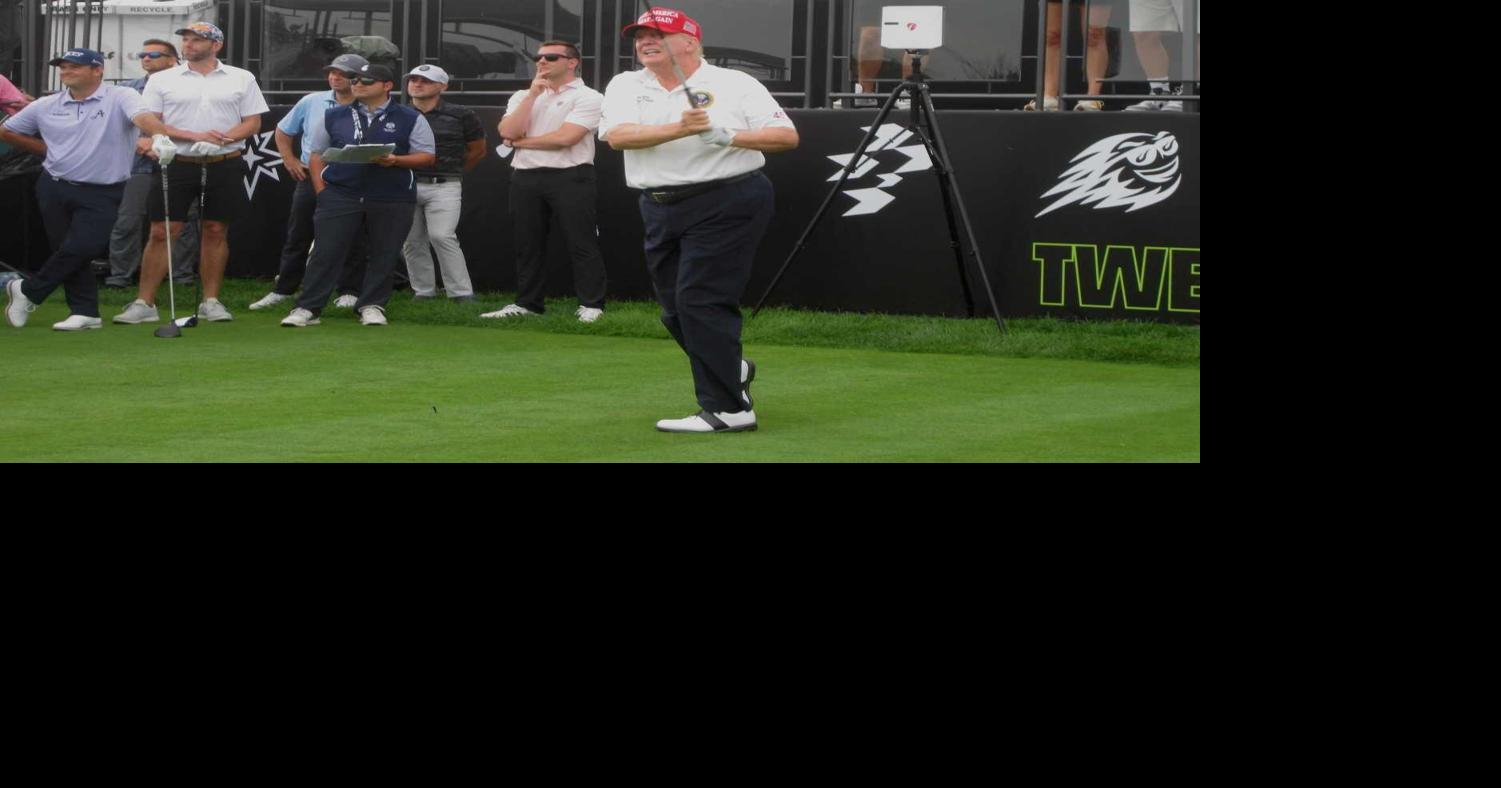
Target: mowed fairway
{"points": [[253, 391]]}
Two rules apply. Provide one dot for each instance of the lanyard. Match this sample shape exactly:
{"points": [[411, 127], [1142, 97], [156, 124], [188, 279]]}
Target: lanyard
{"points": [[359, 129]]}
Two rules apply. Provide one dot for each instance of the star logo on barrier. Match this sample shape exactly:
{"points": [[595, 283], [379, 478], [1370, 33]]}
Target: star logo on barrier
{"points": [[889, 138], [261, 158]]}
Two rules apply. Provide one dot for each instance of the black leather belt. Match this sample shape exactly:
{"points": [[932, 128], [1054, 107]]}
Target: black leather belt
{"points": [[672, 194], [437, 179]]}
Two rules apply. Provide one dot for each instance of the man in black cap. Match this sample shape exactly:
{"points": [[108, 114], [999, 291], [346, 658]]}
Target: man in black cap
{"points": [[294, 254], [381, 194]]}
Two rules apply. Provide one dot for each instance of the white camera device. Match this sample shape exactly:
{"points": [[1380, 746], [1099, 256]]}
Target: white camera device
{"points": [[912, 26]]}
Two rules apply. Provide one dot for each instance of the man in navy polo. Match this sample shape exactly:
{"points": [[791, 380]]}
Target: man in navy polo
{"points": [[294, 253], [87, 134], [381, 194]]}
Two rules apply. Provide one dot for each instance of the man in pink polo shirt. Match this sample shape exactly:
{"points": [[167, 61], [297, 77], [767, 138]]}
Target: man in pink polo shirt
{"points": [[551, 125]]}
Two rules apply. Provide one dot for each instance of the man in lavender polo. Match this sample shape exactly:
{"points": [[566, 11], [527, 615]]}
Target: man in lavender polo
{"points": [[87, 134]]}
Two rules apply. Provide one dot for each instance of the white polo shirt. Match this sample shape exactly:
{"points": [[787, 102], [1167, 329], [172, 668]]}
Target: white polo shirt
{"points": [[216, 101], [734, 100], [575, 103]]}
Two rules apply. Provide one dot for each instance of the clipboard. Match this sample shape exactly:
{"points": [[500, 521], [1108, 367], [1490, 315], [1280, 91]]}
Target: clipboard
{"points": [[357, 154]]}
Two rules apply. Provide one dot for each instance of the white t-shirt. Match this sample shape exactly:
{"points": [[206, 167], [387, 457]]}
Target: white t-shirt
{"points": [[734, 100], [216, 101], [576, 103]]}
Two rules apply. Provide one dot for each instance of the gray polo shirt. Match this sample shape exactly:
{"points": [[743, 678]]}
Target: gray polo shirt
{"points": [[88, 141]]}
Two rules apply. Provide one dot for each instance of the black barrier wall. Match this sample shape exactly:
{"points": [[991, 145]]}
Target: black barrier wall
{"points": [[1087, 216]]}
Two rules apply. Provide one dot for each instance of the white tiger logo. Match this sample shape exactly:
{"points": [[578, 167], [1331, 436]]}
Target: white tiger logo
{"points": [[1132, 170]]}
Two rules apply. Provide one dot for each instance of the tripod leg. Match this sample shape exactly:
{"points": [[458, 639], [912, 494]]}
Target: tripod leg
{"points": [[828, 199], [941, 168], [945, 165]]}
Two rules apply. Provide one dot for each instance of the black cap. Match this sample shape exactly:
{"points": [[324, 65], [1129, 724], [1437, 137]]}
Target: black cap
{"points": [[377, 71]]}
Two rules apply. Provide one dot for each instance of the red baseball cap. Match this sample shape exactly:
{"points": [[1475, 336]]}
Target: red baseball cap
{"points": [[667, 20]]}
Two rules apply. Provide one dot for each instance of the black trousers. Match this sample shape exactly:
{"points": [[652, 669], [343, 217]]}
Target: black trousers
{"points": [[340, 218], [78, 218], [699, 253], [294, 253], [539, 198]]}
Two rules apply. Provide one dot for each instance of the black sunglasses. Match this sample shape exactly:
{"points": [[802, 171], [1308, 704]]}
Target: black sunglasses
{"points": [[553, 58], [153, 55], [367, 80]]}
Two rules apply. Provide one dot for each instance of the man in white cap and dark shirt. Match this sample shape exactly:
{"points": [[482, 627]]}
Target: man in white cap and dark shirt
{"points": [[551, 126], [440, 189], [704, 202], [87, 135], [294, 254], [223, 104]]}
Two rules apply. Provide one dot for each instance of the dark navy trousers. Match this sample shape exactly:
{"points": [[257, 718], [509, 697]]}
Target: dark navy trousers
{"points": [[699, 253], [342, 217], [294, 254], [78, 218]]}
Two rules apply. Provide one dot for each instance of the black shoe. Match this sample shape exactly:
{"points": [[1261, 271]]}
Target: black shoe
{"points": [[469, 299]]}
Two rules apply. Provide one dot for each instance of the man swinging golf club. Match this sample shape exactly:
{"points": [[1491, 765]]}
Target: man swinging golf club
{"points": [[87, 134], [704, 202]]}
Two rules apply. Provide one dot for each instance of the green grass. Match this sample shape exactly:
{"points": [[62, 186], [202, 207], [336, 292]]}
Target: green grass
{"points": [[1119, 341], [433, 387]]}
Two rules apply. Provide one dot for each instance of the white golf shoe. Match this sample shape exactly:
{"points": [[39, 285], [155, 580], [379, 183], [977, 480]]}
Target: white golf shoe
{"points": [[17, 306], [300, 318], [704, 421], [78, 323], [214, 312], [272, 299], [372, 316], [346, 301], [138, 312], [588, 314], [509, 310]]}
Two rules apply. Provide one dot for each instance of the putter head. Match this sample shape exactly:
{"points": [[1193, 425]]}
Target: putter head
{"points": [[169, 331], [187, 322]]}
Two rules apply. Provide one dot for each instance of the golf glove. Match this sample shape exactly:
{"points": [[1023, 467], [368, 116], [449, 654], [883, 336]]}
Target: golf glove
{"points": [[718, 136], [164, 148]]}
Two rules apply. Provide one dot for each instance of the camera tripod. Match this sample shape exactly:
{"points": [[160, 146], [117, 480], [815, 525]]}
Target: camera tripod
{"points": [[924, 123]]}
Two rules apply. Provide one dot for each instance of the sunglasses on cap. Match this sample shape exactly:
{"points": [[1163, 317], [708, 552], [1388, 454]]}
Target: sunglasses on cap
{"points": [[552, 57], [152, 55]]}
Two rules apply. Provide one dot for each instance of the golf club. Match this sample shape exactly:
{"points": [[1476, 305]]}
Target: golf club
{"points": [[192, 320], [170, 330]]}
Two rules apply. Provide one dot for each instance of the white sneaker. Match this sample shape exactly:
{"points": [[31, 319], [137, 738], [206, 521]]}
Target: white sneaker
{"points": [[588, 314], [1049, 104], [138, 312], [704, 421], [271, 299], [78, 323], [17, 306], [214, 312], [509, 310], [300, 318], [1163, 104], [372, 316], [346, 301]]}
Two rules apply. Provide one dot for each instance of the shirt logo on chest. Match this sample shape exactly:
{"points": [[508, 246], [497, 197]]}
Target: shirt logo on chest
{"points": [[703, 99]]}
